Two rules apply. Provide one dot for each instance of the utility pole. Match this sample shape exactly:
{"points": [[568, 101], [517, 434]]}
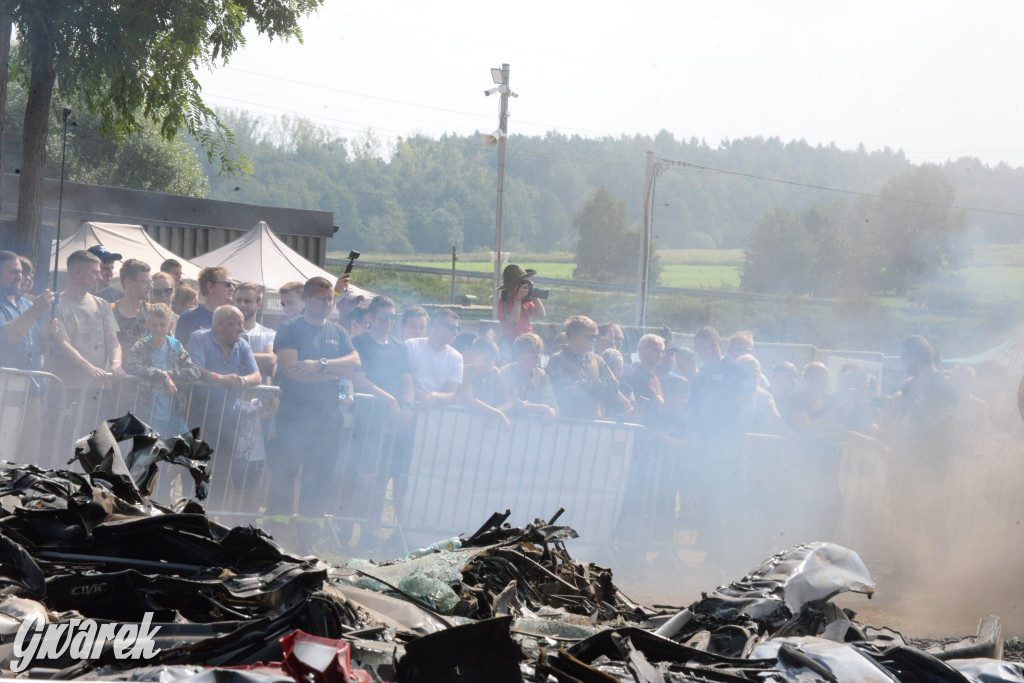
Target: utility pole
{"points": [[644, 270], [503, 134], [453, 275]]}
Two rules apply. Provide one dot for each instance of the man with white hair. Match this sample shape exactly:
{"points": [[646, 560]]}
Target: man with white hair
{"points": [[225, 360], [643, 377]]}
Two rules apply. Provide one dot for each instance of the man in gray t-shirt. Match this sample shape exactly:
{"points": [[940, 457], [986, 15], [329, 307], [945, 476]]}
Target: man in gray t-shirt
{"points": [[87, 345]]}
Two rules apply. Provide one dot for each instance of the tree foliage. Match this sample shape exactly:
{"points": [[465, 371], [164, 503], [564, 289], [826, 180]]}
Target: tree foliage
{"points": [[608, 249], [384, 197], [132, 63], [140, 161], [888, 243]]}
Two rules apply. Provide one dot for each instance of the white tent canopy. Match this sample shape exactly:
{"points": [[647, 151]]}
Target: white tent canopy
{"points": [[131, 241], [260, 256]]}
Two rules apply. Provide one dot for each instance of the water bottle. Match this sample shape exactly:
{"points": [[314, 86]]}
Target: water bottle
{"points": [[453, 543]]}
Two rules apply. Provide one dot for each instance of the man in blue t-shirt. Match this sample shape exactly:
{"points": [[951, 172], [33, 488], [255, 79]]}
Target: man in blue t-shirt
{"points": [[21, 323], [217, 288], [226, 362], [314, 357]]}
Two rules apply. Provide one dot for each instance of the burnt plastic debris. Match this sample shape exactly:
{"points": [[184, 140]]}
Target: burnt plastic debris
{"points": [[227, 604], [134, 473]]}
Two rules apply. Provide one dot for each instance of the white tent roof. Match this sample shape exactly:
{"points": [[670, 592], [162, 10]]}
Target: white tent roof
{"points": [[260, 256], [131, 241]]}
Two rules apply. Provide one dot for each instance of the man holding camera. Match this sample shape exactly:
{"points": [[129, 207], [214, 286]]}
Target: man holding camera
{"points": [[519, 304]]}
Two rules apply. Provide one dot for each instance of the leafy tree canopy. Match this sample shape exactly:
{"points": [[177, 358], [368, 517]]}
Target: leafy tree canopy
{"points": [[873, 244], [135, 62], [609, 247]]}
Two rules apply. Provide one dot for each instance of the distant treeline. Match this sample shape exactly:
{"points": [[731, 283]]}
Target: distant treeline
{"points": [[426, 195]]}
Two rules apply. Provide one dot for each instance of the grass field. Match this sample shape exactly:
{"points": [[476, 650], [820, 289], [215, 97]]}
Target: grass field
{"points": [[994, 270]]}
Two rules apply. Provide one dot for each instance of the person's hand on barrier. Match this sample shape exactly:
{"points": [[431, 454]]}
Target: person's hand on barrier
{"points": [[233, 381], [547, 413], [117, 371], [346, 401], [42, 303], [169, 386], [428, 401], [96, 373], [394, 410]]}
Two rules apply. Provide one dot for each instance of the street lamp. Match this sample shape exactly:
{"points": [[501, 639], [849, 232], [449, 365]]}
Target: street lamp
{"points": [[497, 138], [60, 198]]}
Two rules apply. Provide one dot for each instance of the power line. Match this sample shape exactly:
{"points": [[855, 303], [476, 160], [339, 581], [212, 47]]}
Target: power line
{"points": [[475, 115], [687, 164]]}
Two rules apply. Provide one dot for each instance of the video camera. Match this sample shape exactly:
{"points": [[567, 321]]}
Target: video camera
{"points": [[535, 292], [352, 256]]}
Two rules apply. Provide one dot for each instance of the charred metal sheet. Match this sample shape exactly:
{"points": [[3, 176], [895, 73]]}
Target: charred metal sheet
{"points": [[483, 651]]}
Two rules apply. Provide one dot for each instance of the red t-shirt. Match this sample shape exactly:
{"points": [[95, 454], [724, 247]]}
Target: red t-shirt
{"points": [[510, 331]]}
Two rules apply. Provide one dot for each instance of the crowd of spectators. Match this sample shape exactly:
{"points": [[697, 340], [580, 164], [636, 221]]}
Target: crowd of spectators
{"points": [[168, 334]]}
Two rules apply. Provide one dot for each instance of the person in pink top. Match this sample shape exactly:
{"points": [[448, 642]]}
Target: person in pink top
{"points": [[517, 307]]}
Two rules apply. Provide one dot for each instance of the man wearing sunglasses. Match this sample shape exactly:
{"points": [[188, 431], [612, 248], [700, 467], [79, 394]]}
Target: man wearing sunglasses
{"points": [[436, 366], [217, 289], [163, 289]]}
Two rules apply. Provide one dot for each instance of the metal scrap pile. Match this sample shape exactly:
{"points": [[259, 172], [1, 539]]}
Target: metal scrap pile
{"points": [[502, 604]]}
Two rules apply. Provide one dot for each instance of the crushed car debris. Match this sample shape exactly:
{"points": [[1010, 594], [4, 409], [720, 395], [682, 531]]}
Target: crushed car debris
{"points": [[84, 550]]}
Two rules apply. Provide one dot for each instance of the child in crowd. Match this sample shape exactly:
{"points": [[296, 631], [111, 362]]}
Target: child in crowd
{"points": [[482, 385], [162, 363]]}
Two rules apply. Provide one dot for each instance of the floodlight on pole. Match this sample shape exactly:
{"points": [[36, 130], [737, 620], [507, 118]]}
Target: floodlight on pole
{"points": [[497, 139], [491, 139]]}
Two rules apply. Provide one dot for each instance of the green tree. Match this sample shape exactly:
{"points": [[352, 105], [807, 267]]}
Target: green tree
{"points": [[608, 248], [140, 161], [916, 227], [129, 63], [779, 255]]}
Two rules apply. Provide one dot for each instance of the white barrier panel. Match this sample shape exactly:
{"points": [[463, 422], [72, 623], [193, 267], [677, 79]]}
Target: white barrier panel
{"points": [[14, 392], [465, 466], [31, 414]]}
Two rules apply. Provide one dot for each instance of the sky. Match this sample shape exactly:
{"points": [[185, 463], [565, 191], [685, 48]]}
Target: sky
{"points": [[939, 80]]}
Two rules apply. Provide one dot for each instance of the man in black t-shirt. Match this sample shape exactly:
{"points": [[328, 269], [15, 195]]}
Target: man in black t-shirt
{"points": [[314, 356], [385, 371], [386, 375]]}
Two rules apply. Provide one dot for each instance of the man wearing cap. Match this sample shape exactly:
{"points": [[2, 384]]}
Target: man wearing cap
{"points": [[107, 258], [348, 301], [516, 308]]}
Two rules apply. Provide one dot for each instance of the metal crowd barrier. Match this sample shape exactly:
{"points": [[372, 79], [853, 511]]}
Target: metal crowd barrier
{"points": [[237, 425], [465, 466], [31, 411], [619, 484]]}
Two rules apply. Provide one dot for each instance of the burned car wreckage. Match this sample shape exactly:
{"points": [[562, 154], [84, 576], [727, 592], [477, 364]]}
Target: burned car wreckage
{"points": [[83, 551]]}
